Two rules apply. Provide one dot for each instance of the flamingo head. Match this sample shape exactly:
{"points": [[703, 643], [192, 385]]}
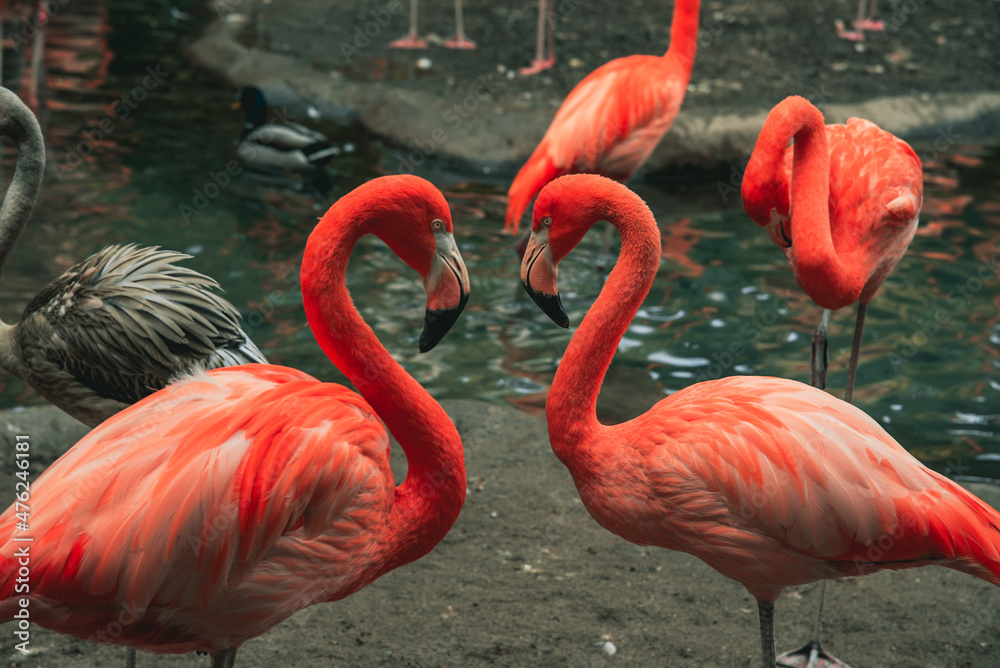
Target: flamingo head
{"points": [[412, 217], [766, 201], [565, 210]]}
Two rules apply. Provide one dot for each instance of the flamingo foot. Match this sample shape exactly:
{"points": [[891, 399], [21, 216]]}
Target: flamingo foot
{"points": [[408, 42], [460, 42], [538, 66], [850, 35], [869, 24], [810, 655]]}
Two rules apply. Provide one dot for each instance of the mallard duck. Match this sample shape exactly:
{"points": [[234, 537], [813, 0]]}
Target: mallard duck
{"points": [[120, 325], [279, 145]]}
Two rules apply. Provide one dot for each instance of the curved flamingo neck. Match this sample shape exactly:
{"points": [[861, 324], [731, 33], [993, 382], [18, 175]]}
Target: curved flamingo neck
{"points": [[428, 501], [831, 280], [571, 409], [684, 36], [18, 123]]}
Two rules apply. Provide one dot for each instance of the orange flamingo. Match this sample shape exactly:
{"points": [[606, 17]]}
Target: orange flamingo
{"points": [[771, 482], [210, 511], [613, 119], [846, 219]]}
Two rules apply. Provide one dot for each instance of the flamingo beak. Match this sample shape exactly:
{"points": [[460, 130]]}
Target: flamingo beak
{"points": [[447, 286], [538, 276]]}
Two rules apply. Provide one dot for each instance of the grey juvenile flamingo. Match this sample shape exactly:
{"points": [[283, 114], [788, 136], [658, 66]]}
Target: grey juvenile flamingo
{"points": [[116, 327]]}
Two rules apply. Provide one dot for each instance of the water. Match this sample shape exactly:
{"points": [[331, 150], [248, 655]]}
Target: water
{"points": [[724, 301]]}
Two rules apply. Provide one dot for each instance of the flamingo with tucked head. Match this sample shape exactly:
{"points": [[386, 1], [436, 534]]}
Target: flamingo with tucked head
{"points": [[226, 502], [771, 482], [842, 202]]}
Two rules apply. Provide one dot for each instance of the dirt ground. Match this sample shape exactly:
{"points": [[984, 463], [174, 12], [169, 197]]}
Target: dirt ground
{"points": [[527, 578]]}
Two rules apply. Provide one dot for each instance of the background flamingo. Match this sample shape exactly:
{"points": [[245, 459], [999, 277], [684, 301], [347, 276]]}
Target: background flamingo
{"points": [[771, 482], [116, 327], [613, 119], [864, 21], [413, 40], [223, 504]]}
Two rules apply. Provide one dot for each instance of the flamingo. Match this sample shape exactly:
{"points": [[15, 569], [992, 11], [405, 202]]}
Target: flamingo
{"points": [[116, 327], [873, 182], [413, 40], [224, 503], [613, 119], [546, 16], [771, 482]]}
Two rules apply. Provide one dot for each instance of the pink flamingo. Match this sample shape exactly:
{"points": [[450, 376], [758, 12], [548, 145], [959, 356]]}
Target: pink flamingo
{"points": [[207, 513], [546, 17], [873, 183], [413, 40], [771, 482], [613, 119], [858, 191]]}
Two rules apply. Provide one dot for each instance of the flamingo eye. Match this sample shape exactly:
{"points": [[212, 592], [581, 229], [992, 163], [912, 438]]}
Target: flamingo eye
{"points": [[546, 221], [437, 224]]}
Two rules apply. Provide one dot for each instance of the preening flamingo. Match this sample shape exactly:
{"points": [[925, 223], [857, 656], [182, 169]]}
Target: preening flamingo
{"points": [[842, 202], [116, 327], [613, 119], [219, 506], [413, 40], [771, 482]]}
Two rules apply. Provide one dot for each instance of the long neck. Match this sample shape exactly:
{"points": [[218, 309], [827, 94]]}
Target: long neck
{"points": [[684, 36], [18, 123], [428, 501], [833, 281], [572, 405]]}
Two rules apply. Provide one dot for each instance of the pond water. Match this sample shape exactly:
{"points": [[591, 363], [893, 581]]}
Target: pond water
{"points": [[162, 174]]}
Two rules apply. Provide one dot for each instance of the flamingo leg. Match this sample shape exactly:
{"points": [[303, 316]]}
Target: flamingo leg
{"points": [[820, 353], [766, 611], [412, 40], [460, 41], [224, 659], [868, 22], [812, 655], [852, 367], [546, 15], [130, 657]]}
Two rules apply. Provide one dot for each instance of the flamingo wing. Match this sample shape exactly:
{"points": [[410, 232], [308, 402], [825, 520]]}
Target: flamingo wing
{"points": [[127, 320], [209, 511], [774, 483]]}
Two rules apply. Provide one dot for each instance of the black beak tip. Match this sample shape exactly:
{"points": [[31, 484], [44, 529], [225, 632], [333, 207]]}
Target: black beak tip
{"points": [[437, 323], [551, 305]]}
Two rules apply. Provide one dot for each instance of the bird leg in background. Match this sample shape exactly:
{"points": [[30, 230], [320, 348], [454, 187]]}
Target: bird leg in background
{"points": [[852, 367], [820, 353], [460, 41], [546, 15], [412, 40], [868, 22]]}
